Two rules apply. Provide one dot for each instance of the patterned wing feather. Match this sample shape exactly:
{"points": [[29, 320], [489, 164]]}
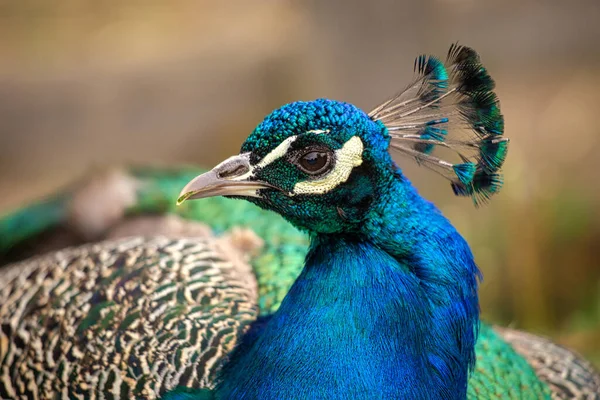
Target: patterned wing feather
{"points": [[567, 374], [131, 318]]}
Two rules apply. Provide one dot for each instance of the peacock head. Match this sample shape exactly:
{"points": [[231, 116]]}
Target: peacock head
{"points": [[322, 164], [319, 164]]}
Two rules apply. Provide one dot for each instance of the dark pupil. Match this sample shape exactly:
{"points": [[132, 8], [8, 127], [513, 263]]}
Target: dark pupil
{"points": [[314, 161]]}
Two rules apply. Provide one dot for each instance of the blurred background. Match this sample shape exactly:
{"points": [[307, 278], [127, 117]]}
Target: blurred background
{"points": [[87, 84]]}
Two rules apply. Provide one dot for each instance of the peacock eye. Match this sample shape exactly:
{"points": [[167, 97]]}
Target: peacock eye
{"points": [[314, 162]]}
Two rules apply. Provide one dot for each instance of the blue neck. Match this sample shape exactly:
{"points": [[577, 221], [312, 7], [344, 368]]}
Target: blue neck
{"points": [[390, 312]]}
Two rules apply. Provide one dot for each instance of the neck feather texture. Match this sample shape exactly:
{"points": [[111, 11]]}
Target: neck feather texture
{"points": [[391, 312]]}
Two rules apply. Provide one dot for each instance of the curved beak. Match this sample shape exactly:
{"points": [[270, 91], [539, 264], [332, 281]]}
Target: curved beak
{"points": [[232, 177]]}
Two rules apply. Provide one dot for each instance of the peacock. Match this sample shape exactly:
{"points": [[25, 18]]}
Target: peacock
{"points": [[334, 279]]}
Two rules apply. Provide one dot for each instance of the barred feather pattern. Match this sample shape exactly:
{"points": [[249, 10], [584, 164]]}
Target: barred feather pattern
{"points": [[450, 105], [131, 318], [567, 374]]}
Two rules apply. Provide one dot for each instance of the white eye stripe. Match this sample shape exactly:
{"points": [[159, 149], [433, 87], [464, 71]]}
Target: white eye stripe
{"points": [[348, 157], [319, 131], [282, 149], [277, 152]]}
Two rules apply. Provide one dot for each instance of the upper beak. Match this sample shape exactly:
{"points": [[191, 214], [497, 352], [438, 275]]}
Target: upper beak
{"points": [[233, 177]]}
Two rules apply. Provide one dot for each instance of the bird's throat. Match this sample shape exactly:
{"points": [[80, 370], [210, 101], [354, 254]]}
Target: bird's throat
{"points": [[356, 324]]}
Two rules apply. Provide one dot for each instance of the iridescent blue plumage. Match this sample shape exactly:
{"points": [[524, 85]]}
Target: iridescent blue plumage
{"points": [[387, 276], [361, 321]]}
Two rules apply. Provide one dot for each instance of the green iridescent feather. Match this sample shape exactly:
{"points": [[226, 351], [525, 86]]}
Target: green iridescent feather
{"points": [[30, 221]]}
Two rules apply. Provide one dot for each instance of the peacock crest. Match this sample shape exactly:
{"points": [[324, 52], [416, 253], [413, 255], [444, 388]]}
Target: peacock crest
{"points": [[450, 105]]}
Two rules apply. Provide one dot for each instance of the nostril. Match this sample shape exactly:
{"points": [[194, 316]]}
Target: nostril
{"points": [[232, 171]]}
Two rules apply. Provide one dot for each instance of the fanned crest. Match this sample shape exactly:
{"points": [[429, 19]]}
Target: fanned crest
{"points": [[451, 105]]}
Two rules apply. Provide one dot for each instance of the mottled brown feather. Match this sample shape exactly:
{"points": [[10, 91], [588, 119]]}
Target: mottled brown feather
{"points": [[567, 374], [128, 318]]}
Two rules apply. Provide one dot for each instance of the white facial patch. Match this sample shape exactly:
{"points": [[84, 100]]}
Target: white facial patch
{"points": [[282, 149], [277, 152], [346, 158]]}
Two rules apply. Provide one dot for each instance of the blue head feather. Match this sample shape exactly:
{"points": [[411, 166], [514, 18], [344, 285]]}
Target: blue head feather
{"points": [[340, 210], [343, 119]]}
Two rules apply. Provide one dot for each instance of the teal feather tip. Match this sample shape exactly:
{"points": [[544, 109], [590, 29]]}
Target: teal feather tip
{"points": [[465, 172], [445, 98], [437, 75], [430, 133], [493, 152], [481, 188], [470, 73]]}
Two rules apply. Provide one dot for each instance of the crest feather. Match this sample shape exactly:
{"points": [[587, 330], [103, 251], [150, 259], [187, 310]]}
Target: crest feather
{"points": [[450, 105]]}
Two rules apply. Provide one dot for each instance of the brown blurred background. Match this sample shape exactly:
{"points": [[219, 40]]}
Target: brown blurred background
{"points": [[101, 82]]}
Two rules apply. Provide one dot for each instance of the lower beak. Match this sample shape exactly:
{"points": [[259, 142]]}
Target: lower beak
{"points": [[233, 177]]}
